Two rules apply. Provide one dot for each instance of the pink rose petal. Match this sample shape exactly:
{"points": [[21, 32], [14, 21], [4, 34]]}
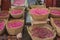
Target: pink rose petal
{"points": [[19, 2], [57, 22], [38, 11], [2, 25], [16, 12], [55, 12], [41, 32], [17, 24], [3, 14]]}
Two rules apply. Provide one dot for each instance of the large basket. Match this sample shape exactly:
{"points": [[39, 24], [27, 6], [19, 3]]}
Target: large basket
{"points": [[19, 15], [46, 26], [40, 17], [14, 31], [52, 8], [55, 26]]}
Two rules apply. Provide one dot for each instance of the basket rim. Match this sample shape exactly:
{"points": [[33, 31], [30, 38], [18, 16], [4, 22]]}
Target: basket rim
{"points": [[21, 20], [44, 38], [40, 14], [41, 6]]}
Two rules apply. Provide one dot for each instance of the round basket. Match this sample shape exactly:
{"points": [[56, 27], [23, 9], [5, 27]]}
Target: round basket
{"points": [[54, 8], [36, 38], [15, 31], [40, 17], [55, 26], [18, 15]]}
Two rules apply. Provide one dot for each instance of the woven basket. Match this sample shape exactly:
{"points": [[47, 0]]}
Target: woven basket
{"points": [[14, 31], [40, 6], [1, 31], [4, 17], [40, 17], [36, 38], [36, 6], [55, 26], [56, 8], [19, 15]]}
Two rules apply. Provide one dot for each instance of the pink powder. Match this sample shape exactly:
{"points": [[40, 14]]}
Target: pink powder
{"points": [[16, 12], [42, 32], [57, 22], [38, 11], [55, 12], [14, 24], [2, 25], [19, 2]]}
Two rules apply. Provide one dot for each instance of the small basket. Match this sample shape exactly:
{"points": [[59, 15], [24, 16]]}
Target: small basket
{"points": [[14, 31], [40, 17], [52, 8], [55, 26], [46, 26], [19, 15], [3, 13]]}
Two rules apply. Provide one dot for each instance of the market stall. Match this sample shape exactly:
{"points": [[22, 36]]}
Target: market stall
{"points": [[29, 20]]}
